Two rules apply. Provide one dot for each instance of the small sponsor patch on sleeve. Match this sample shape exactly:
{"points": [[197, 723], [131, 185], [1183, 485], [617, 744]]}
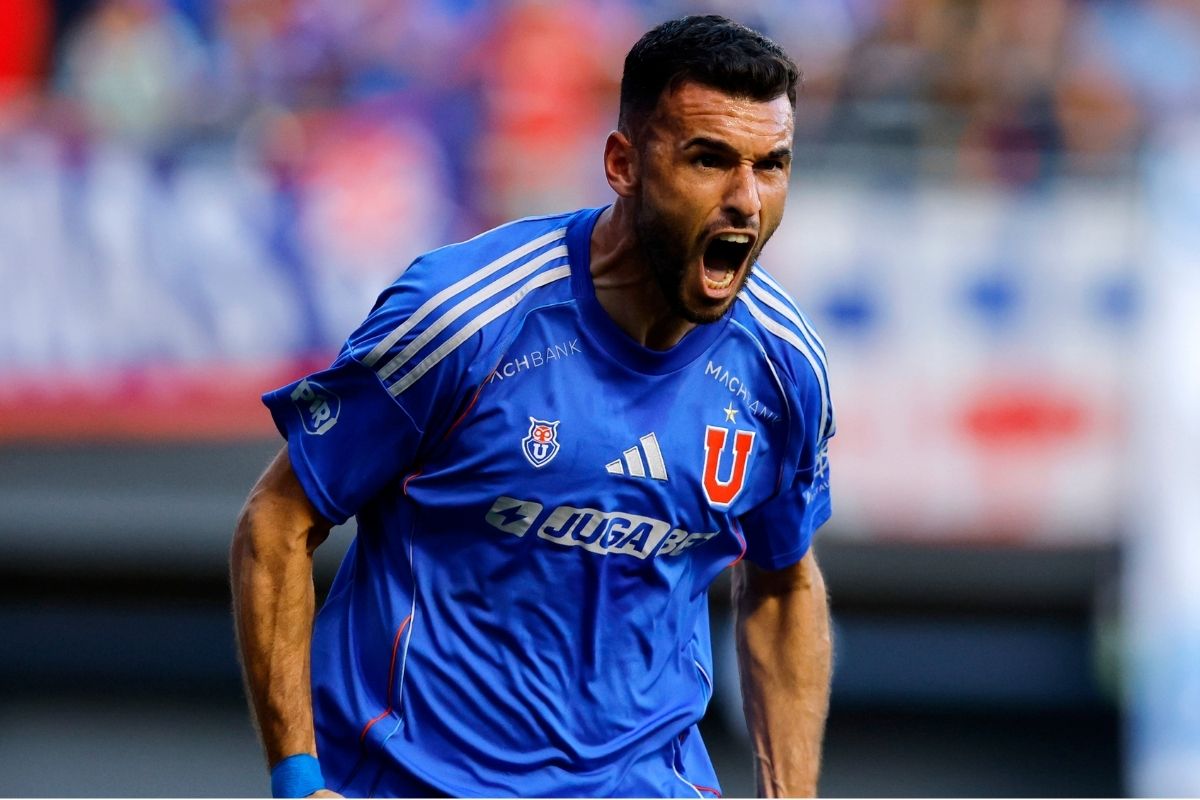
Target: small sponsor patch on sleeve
{"points": [[318, 407]]}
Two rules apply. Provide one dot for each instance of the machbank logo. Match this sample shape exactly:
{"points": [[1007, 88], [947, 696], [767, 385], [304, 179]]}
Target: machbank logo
{"points": [[540, 445], [536, 358], [318, 407]]}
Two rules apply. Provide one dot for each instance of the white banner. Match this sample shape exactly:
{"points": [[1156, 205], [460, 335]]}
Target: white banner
{"points": [[979, 343], [1162, 586]]}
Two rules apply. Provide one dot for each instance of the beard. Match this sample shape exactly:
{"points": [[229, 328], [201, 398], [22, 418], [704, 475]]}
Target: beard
{"points": [[669, 257]]}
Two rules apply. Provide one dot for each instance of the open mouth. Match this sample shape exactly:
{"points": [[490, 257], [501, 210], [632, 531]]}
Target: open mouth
{"points": [[723, 257]]}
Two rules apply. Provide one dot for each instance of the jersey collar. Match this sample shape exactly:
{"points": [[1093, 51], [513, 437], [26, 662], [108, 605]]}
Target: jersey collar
{"points": [[600, 328]]}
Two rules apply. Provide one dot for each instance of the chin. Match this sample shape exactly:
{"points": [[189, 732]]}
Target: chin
{"points": [[703, 311], [703, 315]]}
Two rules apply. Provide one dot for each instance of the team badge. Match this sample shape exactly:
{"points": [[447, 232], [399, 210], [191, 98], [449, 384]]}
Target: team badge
{"points": [[318, 407], [722, 491], [540, 446]]}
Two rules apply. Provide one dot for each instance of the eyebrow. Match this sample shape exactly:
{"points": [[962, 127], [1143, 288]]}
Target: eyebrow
{"points": [[724, 147]]}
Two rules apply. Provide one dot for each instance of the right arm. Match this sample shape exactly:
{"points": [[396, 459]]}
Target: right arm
{"points": [[273, 606]]}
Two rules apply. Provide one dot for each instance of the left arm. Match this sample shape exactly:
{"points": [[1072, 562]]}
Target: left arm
{"points": [[784, 656]]}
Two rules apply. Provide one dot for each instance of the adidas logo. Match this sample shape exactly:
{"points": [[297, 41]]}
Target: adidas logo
{"points": [[635, 466]]}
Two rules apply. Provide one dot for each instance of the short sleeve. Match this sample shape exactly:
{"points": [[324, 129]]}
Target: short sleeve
{"points": [[779, 532], [346, 437], [350, 432]]}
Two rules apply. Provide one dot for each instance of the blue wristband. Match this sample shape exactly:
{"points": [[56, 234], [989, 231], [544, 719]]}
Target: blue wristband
{"points": [[296, 776]]}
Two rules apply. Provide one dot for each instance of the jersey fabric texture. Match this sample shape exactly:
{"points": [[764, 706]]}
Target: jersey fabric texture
{"points": [[541, 505]]}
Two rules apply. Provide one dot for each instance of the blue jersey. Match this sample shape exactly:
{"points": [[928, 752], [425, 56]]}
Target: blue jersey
{"points": [[541, 505]]}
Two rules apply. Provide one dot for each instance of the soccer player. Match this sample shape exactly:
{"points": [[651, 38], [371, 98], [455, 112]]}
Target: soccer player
{"points": [[554, 436]]}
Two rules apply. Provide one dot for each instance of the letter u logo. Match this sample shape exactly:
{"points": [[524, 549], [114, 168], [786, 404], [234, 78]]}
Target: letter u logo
{"points": [[722, 492]]}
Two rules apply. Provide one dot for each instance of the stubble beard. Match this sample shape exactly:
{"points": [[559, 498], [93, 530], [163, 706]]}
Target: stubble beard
{"points": [[667, 256]]}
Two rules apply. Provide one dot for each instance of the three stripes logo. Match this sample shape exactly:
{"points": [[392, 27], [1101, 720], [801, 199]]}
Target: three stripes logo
{"points": [[634, 465]]}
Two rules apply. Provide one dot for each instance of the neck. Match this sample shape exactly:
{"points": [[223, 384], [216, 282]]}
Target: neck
{"points": [[625, 284]]}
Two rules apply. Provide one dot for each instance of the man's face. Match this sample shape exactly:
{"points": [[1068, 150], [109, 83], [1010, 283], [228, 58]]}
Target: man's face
{"points": [[713, 183]]}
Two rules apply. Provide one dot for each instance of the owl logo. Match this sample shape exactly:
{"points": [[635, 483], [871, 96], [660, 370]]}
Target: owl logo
{"points": [[540, 445]]}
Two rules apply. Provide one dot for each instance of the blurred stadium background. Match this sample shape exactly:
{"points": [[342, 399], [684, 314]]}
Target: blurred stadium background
{"points": [[993, 222]]}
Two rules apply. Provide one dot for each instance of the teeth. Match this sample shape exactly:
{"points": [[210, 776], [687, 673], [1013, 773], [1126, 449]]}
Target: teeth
{"points": [[736, 238], [721, 284]]}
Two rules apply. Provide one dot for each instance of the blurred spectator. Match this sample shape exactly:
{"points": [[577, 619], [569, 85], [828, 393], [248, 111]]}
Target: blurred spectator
{"points": [[135, 66], [25, 31], [1129, 67], [548, 101], [368, 131], [882, 99], [1011, 60], [366, 211]]}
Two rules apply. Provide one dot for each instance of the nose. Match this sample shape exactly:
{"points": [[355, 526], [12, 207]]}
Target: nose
{"points": [[741, 194]]}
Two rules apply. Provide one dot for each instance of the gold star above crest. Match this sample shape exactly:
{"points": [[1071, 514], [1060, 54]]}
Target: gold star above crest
{"points": [[730, 412]]}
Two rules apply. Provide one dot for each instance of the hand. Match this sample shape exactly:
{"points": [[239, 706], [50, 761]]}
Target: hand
{"points": [[325, 793]]}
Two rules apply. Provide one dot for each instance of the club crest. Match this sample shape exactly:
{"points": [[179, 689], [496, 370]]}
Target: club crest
{"points": [[540, 446], [722, 491]]}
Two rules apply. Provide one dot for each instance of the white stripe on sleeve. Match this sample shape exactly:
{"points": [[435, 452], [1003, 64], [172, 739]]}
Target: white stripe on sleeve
{"points": [[466, 305], [429, 305], [805, 349], [471, 328]]}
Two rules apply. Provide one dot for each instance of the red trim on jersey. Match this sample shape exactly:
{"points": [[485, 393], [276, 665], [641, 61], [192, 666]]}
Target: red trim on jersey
{"points": [[737, 531], [467, 410], [391, 679], [450, 430], [404, 486]]}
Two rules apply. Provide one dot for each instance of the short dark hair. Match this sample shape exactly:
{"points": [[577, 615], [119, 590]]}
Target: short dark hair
{"points": [[710, 50]]}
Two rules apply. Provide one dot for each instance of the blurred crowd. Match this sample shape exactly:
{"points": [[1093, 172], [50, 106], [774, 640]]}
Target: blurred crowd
{"points": [[506, 99], [253, 166]]}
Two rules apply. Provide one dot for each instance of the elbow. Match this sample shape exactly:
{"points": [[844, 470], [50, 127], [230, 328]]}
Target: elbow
{"points": [[780, 599], [753, 585], [267, 534], [247, 543], [278, 528]]}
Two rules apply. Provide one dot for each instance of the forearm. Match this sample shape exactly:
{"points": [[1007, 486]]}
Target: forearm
{"points": [[784, 655], [273, 601]]}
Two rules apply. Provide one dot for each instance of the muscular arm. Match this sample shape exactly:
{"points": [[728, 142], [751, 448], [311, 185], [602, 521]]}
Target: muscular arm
{"points": [[273, 598], [784, 656]]}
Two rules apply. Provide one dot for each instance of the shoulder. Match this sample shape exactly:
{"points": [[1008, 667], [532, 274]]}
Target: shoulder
{"points": [[442, 304], [501, 246], [465, 279], [516, 247], [788, 339]]}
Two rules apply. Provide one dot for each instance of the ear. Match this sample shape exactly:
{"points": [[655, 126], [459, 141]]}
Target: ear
{"points": [[621, 165]]}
